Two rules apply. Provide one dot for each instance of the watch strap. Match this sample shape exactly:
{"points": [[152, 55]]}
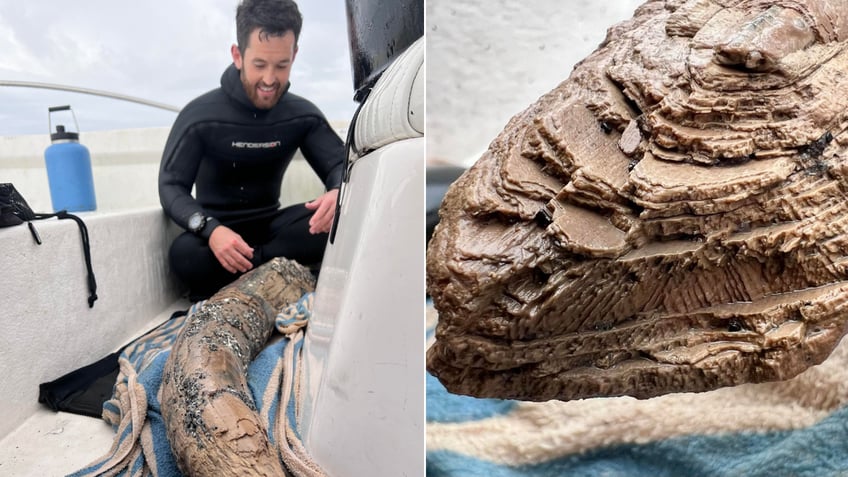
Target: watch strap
{"points": [[208, 227]]}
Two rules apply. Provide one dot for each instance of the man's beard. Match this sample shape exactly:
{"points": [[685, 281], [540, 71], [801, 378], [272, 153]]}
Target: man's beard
{"points": [[253, 94]]}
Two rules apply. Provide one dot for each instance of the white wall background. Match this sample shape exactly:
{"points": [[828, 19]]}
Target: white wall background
{"points": [[487, 60]]}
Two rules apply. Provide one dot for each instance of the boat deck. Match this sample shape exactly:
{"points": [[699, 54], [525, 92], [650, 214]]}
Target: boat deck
{"points": [[49, 443], [53, 444]]}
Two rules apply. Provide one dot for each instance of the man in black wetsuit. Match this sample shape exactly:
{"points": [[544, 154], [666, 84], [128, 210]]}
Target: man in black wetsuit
{"points": [[234, 144]]}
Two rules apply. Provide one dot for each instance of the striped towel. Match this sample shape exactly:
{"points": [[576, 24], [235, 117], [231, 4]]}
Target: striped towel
{"points": [[141, 447], [795, 428]]}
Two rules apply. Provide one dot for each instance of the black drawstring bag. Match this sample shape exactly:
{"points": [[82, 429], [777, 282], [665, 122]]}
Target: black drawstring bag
{"points": [[85, 390], [82, 391], [14, 210]]}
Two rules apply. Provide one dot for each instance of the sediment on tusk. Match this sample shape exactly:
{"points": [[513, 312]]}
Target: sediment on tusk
{"points": [[212, 422]]}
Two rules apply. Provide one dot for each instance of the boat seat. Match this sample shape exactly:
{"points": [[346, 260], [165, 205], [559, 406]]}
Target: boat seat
{"points": [[394, 110]]}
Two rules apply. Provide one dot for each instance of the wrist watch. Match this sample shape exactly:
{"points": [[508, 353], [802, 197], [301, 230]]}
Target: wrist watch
{"points": [[196, 222]]}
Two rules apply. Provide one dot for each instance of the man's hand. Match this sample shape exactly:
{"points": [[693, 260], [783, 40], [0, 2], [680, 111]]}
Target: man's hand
{"points": [[325, 208], [232, 252]]}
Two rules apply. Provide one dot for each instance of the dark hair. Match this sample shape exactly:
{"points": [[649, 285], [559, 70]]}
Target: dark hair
{"points": [[271, 17]]}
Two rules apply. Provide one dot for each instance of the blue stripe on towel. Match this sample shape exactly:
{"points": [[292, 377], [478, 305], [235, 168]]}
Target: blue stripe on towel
{"points": [[445, 407], [165, 460], [137, 466], [260, 371], [291, 408]]}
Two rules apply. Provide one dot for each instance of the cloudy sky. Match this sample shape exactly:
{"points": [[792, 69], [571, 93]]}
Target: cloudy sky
{"points": [[168, 51]]}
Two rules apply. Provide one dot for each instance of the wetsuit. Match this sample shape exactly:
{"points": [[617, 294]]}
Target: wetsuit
{"points": [[235, 155]]}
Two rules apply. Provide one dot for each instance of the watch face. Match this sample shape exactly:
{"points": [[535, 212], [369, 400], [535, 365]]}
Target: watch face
{"points": [[195, 222]]}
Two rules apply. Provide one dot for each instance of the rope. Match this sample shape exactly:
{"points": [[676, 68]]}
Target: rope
{"points": [[86, 248]]}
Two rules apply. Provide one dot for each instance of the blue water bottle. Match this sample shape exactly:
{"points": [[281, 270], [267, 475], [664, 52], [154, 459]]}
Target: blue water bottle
{"points": [[68, 168]]}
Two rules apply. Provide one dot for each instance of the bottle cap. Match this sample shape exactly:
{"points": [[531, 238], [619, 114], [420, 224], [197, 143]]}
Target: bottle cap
{"points": [[62, 134]]}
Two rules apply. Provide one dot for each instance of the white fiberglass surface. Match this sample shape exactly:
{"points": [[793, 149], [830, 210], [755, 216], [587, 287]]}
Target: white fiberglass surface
{"points": [[363, 403]]}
